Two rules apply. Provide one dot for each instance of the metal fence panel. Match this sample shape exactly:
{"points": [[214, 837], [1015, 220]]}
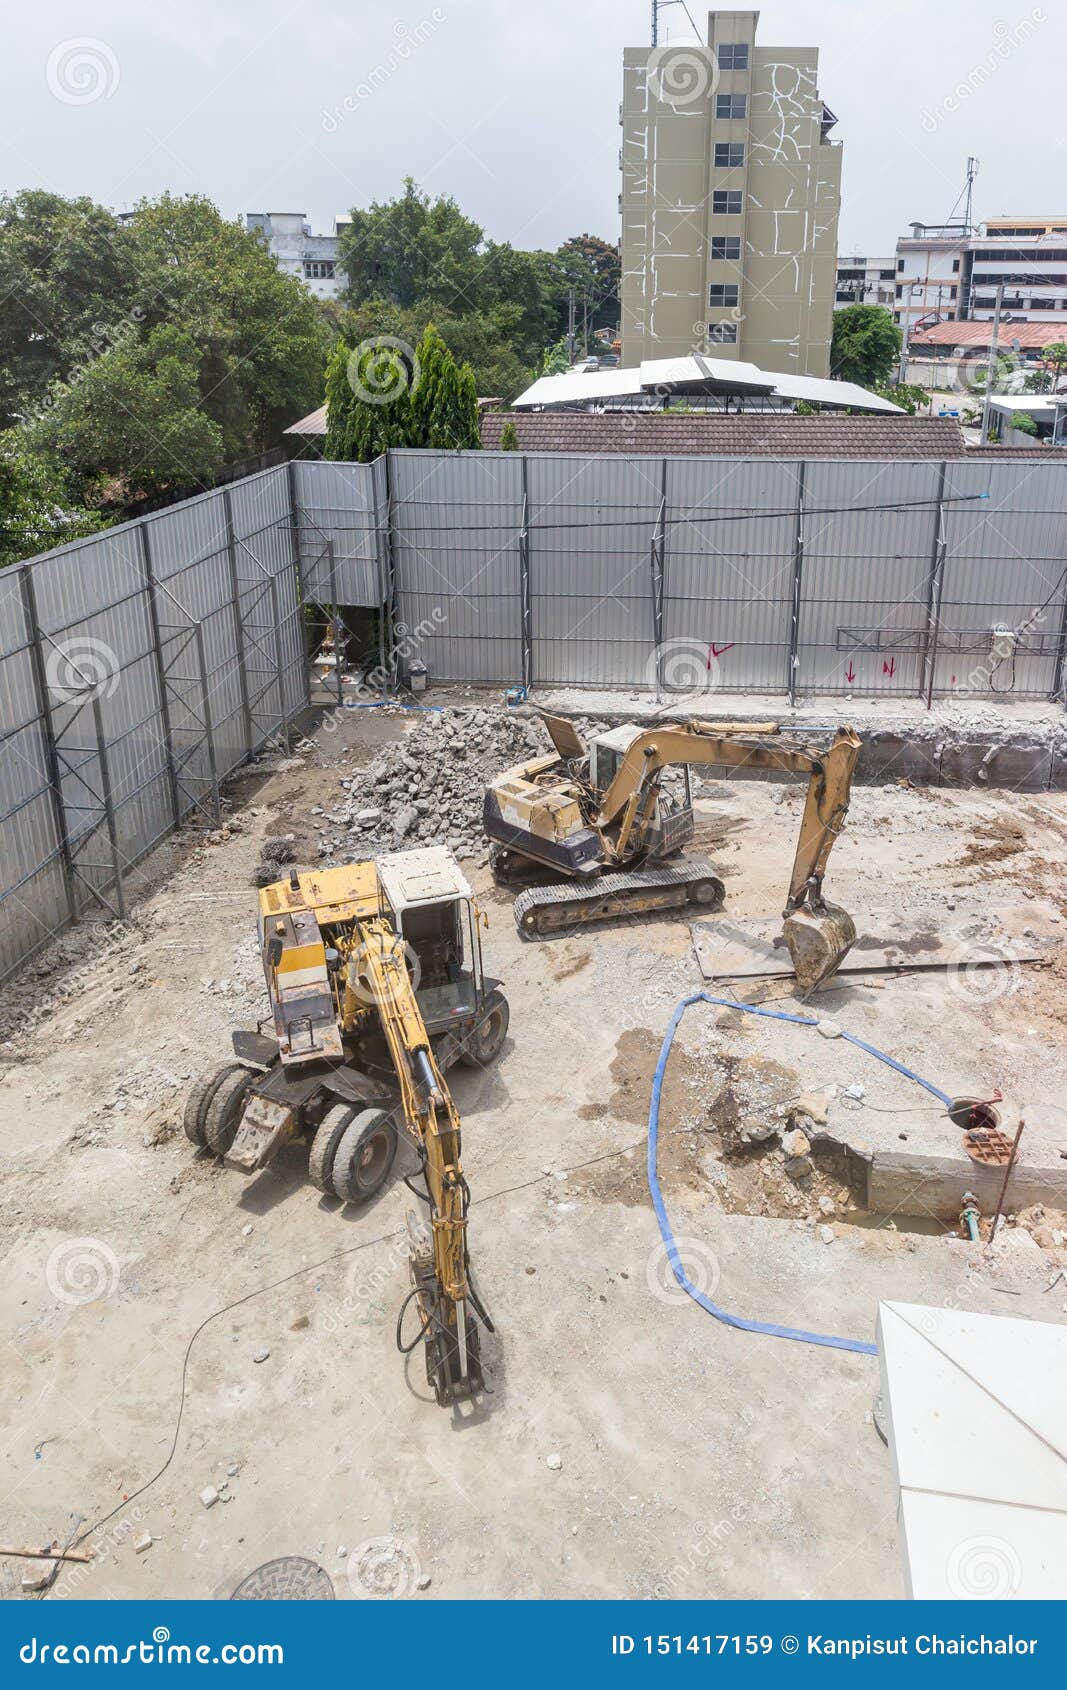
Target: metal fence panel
{"points": [[336, 508]]}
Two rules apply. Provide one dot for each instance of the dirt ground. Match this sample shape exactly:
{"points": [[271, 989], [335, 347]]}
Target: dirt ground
{"points": [[629, 1444]]}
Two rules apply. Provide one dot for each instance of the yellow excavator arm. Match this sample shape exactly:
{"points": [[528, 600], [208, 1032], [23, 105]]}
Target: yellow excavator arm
{"points": [[818, 934], [376, 973]]}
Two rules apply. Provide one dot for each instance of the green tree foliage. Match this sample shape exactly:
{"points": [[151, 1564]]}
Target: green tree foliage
{"points": [[135, 413], [64, 276], [908, 395], [509, 439], [378, 396], [1054, 358], [865, 347], [1024, 422], [497, 305], [36, 507]]}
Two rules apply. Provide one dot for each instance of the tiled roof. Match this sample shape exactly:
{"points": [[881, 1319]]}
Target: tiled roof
{"points": [[744, 434], [1029, 335]]}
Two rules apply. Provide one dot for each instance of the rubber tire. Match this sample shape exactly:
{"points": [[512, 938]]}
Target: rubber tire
{"points": [[328, 1135], [493, 1026], [347, 1183], [196, 1104], [223, 1115]]}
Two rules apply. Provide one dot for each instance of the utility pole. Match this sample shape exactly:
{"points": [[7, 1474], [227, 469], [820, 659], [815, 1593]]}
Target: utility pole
{"points": [[655, 23], [570, 325], [990, 375]]}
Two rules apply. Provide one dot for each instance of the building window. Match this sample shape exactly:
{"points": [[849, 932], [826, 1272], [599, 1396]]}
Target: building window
{"points": [[722, 334], [318, 269], [733, 55], [900, 292], [900, 265], [885, 275], [726, 246], [731, 105], [955, 266], [729, 155], [726, 202], [722, 293]]}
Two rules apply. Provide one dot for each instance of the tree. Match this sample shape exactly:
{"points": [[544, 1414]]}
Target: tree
{"points": [[36, 509], [1024, 422], [1054, 359], [865, 347], [605, 268], [509, 439], [133, 424], [383, 395], [65, 274], [261, 341], [411, 249], [908, 395]]}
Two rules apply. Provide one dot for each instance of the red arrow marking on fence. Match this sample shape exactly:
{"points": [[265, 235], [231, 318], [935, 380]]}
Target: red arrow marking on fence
{"points": [[889, 668], [850, 673], [717, 650]]}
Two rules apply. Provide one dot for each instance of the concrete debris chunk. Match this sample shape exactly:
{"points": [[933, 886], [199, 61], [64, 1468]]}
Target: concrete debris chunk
{"points": [[554, 1462], [828, 1029], [143, 1542], [209, 1496]]}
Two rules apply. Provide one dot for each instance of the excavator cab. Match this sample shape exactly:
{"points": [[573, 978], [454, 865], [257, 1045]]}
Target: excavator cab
{"points": [[427, 900]]}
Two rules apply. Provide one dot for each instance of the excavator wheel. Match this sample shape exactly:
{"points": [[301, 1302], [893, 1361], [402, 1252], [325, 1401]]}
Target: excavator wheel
{"points": [[223, 1114], [364, 1155], [329, 1133], [485, 1040], [818, 943], [709, 893], [196, 1104]]}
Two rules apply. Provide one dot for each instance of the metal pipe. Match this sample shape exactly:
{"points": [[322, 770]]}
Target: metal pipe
{"points": [[1007, 1177]]}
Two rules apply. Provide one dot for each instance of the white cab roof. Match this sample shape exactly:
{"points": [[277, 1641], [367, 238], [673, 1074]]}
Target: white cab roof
{"points": [[430, 875]]}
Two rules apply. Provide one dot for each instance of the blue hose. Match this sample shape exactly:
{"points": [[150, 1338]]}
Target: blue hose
{"points": [[768, 1327]]}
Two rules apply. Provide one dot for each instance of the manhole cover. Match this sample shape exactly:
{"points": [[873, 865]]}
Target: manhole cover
{"points": [[291, 1578], [988, 1146]]}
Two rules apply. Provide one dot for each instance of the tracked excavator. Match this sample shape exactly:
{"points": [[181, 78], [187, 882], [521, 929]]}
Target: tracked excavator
{"points": [[376, 987], [599, 815]]}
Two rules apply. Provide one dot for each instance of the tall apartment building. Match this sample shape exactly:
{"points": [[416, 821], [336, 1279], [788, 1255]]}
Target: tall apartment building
{"points": [[730, 197], [313, 258], [865, 281]]}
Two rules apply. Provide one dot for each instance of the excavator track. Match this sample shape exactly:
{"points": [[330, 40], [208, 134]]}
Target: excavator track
{"points": [[551, 909]]}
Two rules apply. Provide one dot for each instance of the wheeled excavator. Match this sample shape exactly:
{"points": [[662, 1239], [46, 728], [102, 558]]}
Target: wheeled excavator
{"points": [[376, 987], [599, 815]]}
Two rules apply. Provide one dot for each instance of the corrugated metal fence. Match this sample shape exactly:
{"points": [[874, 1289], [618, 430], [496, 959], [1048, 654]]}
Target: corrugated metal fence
{"points": [[140, 667]]}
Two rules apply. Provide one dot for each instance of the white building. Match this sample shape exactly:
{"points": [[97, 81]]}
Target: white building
{"points": [[865, 281], [297, 252], [929, 263]]}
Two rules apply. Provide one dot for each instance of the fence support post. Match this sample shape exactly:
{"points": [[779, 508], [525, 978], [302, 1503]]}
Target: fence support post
{"points": [[209, 732], [525, 641], [798, 583], [238, 620], [161, 672], [48, 735], [934, 590], [1059, 679], [392, 587], [659, 542], [109, 806]]}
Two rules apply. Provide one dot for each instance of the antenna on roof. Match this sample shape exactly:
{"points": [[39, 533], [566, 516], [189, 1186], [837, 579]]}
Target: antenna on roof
{"points": [[661, 5], [966, 194]]}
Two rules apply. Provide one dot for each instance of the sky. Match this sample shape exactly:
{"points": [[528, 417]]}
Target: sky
{"points": [[315, 106]]}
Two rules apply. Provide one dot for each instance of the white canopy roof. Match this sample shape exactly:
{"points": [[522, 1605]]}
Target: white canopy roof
{"points": [[694, 374]]}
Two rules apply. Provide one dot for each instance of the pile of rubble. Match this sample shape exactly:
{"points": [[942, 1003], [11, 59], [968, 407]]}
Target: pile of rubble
{"points": [[430, 788]]}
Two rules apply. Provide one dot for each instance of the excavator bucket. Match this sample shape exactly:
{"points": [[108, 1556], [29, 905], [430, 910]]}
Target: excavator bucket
{"points": [[818, 943]]}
